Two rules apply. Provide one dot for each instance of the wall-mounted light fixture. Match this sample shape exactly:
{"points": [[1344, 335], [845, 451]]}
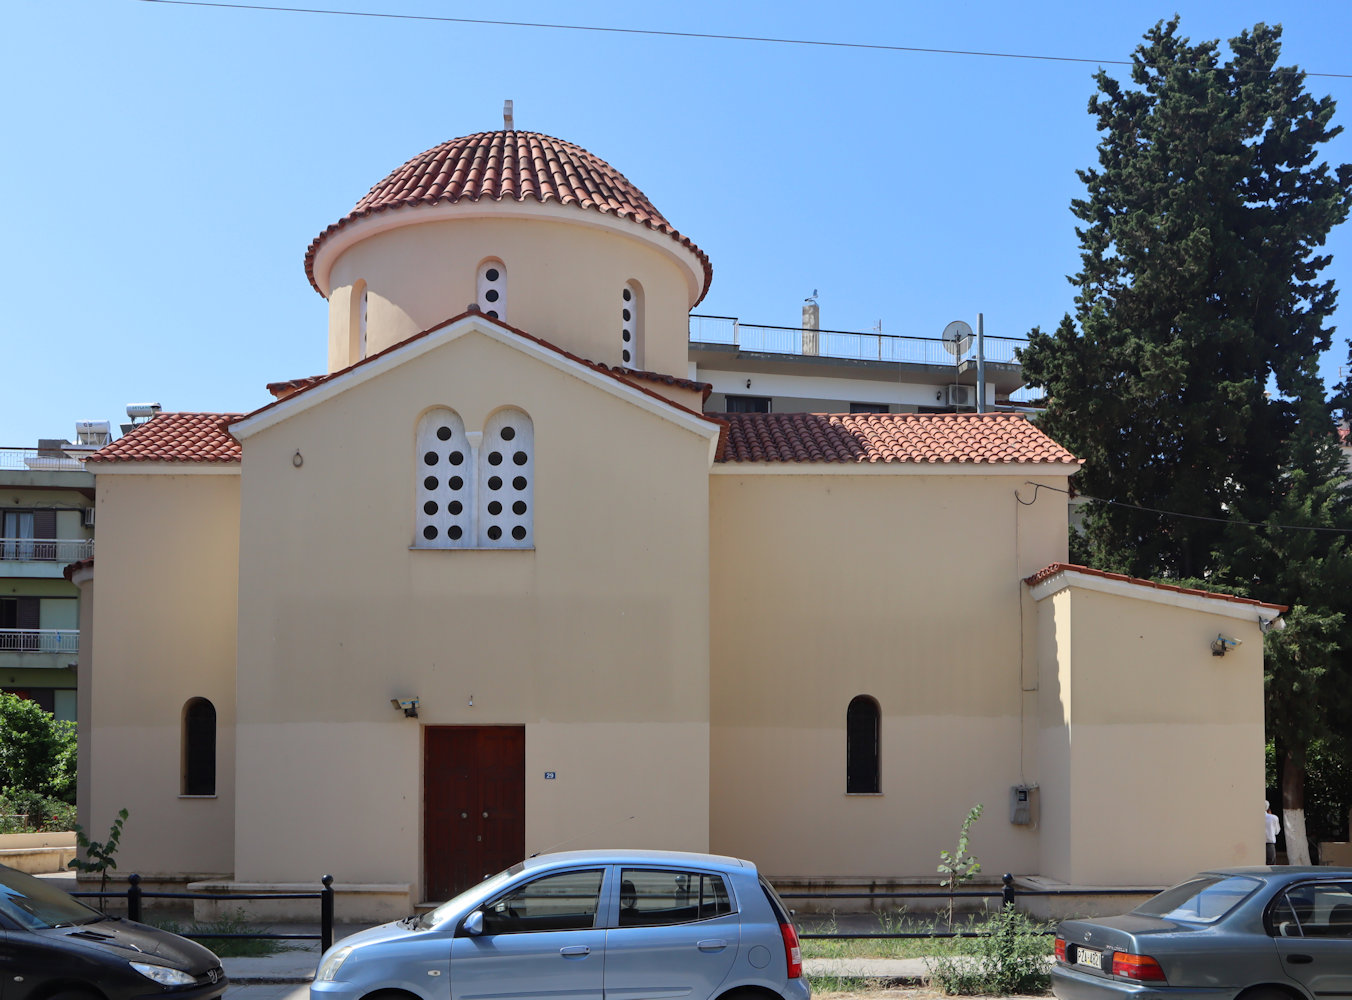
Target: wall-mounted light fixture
{"points": [[1221, 643], [748, 383], [298, 459], [1266, 625], [409, 707]]}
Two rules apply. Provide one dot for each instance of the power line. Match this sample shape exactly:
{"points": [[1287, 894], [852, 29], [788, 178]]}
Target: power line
{"points": [[1192, 517], [821, 43]]}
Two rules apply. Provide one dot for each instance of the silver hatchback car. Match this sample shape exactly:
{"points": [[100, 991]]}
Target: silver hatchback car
{"points": [[584, 925]]}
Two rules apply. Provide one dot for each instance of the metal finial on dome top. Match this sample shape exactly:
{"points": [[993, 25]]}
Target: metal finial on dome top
{"points": [[507, 116]]}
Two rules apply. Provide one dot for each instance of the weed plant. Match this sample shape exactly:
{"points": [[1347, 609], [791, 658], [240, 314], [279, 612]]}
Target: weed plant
{"points": [[1010, 957], [228, 947]]}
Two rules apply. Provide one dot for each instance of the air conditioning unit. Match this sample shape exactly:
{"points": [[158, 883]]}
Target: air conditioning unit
{"points": [[959, 395], [89, 517]]}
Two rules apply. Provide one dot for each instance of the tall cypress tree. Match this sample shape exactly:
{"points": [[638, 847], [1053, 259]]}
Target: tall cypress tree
{"points": [[1200, 309]]}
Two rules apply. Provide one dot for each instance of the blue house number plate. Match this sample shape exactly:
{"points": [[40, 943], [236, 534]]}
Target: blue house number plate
{"points": [[549, 776]]}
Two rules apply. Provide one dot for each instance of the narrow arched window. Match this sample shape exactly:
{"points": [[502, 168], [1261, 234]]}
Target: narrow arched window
{"points": [[492, 289], [361, 324], [199, 747], [443, 467], [861, 746], [631, 325], [507, 481]]}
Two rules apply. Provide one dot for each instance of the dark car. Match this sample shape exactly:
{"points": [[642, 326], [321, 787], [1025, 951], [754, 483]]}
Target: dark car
{"points": [[1260, 933], [52, 945]]}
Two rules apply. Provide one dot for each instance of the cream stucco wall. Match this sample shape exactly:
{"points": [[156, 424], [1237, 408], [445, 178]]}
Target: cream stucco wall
{"points": [[1151, 747], [166, 584], [596, 640], [902, 583], [564, 283]]}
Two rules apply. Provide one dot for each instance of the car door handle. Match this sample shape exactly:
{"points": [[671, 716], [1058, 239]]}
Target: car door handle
{"points": [[575, 951], [1300, 959], [712, 944]]}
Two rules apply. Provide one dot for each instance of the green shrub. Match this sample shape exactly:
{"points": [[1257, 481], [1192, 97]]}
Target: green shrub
{"points": [[232, 922], [1010, 956], [30, 812], [37, 752]]}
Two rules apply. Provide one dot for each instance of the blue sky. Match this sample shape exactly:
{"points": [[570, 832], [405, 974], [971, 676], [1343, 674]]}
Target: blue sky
{"points": [[166, 166]]}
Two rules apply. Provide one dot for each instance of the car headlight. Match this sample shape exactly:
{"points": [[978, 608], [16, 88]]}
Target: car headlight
{"points": [[164, 975], [333, 961]]}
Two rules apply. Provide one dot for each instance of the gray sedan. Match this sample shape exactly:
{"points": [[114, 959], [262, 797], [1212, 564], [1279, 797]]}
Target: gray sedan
{"points": [[584, 925], [1257, 933]]}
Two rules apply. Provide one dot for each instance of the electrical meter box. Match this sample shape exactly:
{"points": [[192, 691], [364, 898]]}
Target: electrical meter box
{"points": [[1023, 805]]}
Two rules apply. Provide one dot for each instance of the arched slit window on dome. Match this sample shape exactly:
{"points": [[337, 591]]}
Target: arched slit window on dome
{"points": [[199, 748], [359, 304], [862, 746], [492, 289], [443, 492], [631, 325], [507, 481]]}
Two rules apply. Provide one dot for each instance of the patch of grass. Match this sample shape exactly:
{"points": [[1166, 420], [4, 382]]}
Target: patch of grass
{"points": [[890, 922], [227, 947]]}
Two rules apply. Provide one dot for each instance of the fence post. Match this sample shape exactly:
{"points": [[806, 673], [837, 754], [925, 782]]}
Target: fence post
{"points": [[326, 914], [134, 897], [1008, 880]]}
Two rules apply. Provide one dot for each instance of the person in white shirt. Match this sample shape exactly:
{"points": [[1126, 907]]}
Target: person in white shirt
{"points": [[1274, 827]]}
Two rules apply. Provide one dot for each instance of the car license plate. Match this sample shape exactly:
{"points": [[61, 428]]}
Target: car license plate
{"points": [[1089, 958]]}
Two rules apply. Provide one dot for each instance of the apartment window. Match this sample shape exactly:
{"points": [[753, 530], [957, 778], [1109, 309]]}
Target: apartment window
{"points": [[748, 404], [492, 289], [507, 481], [28, 534], [19, 623], [443, 467], [869, 408], [631, 325], [861, 746], [199, 747]]}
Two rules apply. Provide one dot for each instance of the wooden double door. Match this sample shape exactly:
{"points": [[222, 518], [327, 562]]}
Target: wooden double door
{"points": [[474, 805]]}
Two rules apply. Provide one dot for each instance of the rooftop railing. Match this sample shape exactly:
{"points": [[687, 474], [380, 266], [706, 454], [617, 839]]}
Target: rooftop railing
{"points": [[843, 343], [62, 550], [32, 458], [39, 640]]}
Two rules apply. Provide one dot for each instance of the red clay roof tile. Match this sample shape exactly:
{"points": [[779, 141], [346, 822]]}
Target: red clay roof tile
{"points": [[175, 437], [938, 438], [1047, 572], [512, 165]]}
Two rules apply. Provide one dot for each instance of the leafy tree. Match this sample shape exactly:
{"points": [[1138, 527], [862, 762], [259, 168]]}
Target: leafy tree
{"points": [[37, 752], [1199, 290]]}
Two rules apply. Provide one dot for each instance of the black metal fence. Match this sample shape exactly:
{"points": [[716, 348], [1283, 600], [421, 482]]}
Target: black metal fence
{"points": [[135, 894], [1009, 895]]}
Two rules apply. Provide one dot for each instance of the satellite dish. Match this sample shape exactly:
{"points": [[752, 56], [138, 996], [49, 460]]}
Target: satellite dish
{"points": [[957, 337]]}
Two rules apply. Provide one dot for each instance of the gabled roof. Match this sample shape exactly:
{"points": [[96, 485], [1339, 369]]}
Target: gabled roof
{"points": [[175, 437], [927, 438], [513, 166], [286, 392], [1056, 569]]}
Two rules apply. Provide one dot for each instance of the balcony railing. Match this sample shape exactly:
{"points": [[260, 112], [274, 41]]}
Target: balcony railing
{"points": [[39, 640], [32, 458], [61, 550], [842, 343]]}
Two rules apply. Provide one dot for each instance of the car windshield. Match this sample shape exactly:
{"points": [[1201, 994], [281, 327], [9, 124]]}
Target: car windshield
{"points": [[36, 905], [478, 892], [1204, 899]]}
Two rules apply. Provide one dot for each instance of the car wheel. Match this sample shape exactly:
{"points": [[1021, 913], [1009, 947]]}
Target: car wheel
{"points": [[1268, 993]]}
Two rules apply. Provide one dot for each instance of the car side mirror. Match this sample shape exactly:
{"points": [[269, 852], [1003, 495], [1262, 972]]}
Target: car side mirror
{"points": [[474, 923]]}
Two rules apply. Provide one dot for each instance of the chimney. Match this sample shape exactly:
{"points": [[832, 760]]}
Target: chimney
{"points": [[507, 116]]}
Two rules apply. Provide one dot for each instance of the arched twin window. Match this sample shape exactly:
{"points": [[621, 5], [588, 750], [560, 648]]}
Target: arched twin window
{"points": [[861, 746], [475, 490], [199, 748]]}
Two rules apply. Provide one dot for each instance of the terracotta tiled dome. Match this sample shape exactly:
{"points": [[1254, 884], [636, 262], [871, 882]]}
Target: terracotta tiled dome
{"points": [[510, 165]]}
